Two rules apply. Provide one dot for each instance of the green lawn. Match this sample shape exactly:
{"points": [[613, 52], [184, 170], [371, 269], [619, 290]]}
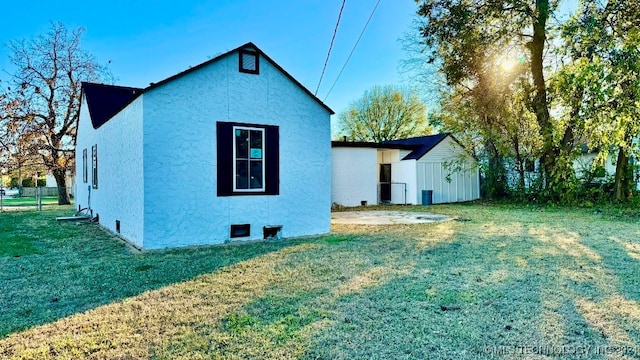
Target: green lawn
{"points": [[510, 283], [28, 201]]}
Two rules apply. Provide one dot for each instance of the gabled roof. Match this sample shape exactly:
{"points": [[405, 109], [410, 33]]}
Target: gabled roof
{"points": [[370, 145], [105, 101], [420, 145], [251, 46]]}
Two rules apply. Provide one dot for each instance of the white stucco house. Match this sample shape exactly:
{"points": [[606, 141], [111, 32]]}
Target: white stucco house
{"points": [[232, 149], [397, 171]]}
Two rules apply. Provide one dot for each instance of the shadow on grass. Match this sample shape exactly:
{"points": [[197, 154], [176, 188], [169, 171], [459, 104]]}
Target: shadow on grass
{"points": [[510, 283], [52, 270], [491, 289]]}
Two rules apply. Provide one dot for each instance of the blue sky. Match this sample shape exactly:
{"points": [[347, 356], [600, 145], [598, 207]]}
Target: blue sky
{"points": [[149, 40]]}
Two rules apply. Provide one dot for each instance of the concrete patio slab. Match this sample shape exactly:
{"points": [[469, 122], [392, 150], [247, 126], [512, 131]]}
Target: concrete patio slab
{"points": [[385, 217]]}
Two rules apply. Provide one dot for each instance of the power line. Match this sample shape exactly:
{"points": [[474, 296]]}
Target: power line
{"points": [[352, 50], [335, 31]]}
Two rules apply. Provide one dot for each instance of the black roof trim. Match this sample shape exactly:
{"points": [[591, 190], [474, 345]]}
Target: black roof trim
{"points": [[372, 145], [419, 145], [105, 101], [242, 47]]}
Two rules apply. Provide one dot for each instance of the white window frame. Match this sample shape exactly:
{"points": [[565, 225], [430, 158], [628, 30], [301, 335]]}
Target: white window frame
{"points": [[85, 169], [94, 166], [262, 159]]}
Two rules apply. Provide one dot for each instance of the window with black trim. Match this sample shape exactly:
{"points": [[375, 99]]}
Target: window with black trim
{"points": [[248, 159], [85, 171], [249, 62], [94, 166], [248, 156]]}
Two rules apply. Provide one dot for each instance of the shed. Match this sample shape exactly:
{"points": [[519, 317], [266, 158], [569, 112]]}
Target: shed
{"points": [[397, 171]]}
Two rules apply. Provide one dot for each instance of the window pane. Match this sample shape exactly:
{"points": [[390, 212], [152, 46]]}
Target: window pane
{"points": [[242, 144], [242, 176], [256, 174], [256, 139], [85, 171]]}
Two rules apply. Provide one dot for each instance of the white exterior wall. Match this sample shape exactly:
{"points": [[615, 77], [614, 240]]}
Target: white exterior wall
{"points": [[119, 195], [403, 175], [180, 188], [432, 174], [403, 172], [584, 162], [354, 174]]}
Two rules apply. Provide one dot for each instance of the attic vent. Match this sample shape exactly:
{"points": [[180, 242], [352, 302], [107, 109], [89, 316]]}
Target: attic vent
{"points": [[249, 62]]}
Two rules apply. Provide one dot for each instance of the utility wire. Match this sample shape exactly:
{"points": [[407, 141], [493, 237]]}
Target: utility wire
{"points": [[352, 50], [335, 31]]}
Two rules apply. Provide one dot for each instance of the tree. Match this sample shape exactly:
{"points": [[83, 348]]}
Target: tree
{"points": [[487, 113], [600, 84], [455, 32], [385, 113], [47, 85]]}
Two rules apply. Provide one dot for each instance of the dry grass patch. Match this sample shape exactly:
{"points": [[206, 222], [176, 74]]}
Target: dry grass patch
{"points": [[510, 283]]}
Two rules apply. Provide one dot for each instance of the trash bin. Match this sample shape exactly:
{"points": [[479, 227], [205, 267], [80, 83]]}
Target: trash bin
{"points": [[427, 197]]}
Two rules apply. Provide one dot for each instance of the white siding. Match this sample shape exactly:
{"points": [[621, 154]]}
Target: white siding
{"points": [[448, 184], [119, 195], [180, 188], [354, 174], [403, 175]]}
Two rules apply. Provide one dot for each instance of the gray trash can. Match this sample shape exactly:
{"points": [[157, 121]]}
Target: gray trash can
{"points": [[427, 197]]}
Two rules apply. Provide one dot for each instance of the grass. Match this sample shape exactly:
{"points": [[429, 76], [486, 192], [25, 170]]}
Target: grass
{"points": [[513, 282], [28, 201]]}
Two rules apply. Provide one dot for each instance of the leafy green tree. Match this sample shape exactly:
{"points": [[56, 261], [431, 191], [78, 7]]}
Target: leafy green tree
{"points": [[46, 85], [600, 84], [384, 113]]}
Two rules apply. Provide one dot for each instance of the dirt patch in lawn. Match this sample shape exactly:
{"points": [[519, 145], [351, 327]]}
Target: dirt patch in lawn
{"points": [[386, 217]]}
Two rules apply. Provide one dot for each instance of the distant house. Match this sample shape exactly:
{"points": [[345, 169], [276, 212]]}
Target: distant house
{"points": [[584, 164], [232, 149], [51, 180], [397, 172]]}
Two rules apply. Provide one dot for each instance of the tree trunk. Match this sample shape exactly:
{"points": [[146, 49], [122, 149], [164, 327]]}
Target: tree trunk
{"points": [[61, 182], [540, 106], [622, 180]]}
